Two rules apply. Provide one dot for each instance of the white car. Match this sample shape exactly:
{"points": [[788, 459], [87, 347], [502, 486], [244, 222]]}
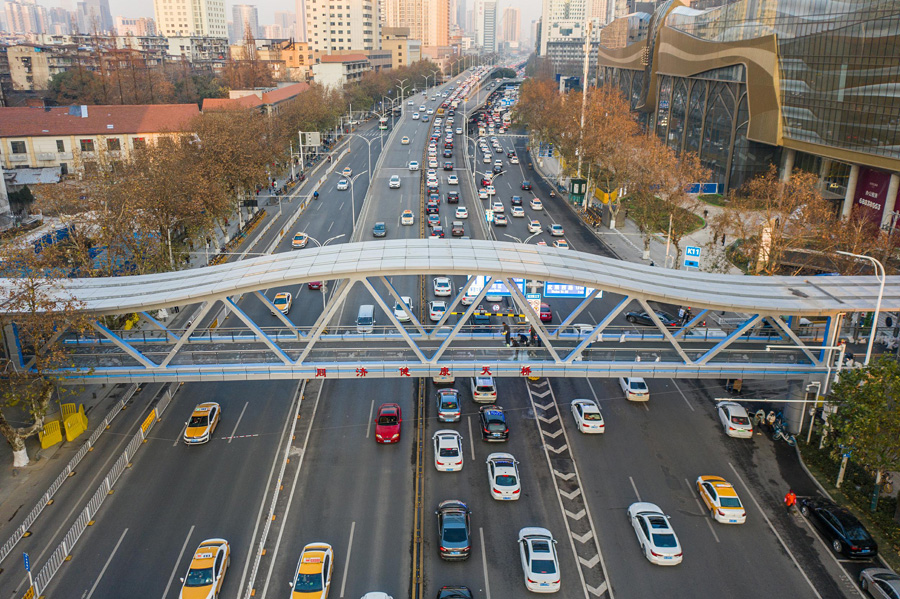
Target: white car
{"points": [[561, 244], [415, 116], [422, 108], [735, 419], [517, 211], [514, 160], [459, 131], [469, 298], [482, 194], [486, 159], [442, 286], [436, 310], [490, 190], [453, 180], [536, 204], [497, 206], [399, 312], [556, 230], [537, 549], [429, 111], [634, 388], [448, 451], [404, 141], [376, 595], [503, 476], [413, 165], [587, 415], [534, 226], [658, 541], [461, 212], [394, 182], [409, 103], [432, 163], [343, 185]]}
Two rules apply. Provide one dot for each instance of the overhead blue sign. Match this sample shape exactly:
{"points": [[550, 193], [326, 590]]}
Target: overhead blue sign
{"points": [[566, 290], [27, 562], [496, 288], [703, 188]]}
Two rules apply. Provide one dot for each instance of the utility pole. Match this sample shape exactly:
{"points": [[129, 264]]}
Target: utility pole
{"points": [[584, 88]]}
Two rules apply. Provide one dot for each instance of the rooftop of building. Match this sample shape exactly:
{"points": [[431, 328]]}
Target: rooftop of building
{"points": [[94, 120]]}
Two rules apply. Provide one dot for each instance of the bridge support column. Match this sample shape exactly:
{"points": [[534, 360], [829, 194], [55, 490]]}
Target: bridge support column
{"points": [[793, 412]]}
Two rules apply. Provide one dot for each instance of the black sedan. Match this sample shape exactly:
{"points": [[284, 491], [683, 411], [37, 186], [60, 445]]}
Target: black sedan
{"points": [[846, 534], [453, 529], [526, 185], [454, 593], [644, 318], [493, 423]]}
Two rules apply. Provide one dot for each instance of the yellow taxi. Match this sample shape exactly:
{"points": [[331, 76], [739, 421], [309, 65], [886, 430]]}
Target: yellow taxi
{"points": [[203, 423], [721, 499], [204, 577], [282, 302], [314, 570], [299, 241]]}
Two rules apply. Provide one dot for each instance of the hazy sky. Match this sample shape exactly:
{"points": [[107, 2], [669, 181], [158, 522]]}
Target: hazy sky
{"points": [[531, 9]]}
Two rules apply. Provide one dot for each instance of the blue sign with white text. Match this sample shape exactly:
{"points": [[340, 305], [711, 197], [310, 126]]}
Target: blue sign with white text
{"points": [[565, 290]]}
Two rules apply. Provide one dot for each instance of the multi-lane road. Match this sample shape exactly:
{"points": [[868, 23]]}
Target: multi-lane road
{"points": [[360, 497]]}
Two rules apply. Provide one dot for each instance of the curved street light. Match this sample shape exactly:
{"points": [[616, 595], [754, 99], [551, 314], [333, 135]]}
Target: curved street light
{"points": [[324, 287], [881, 279]]}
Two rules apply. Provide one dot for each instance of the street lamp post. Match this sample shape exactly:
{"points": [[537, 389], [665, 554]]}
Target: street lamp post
{"points": [[878, 266], [368, 143], [352, 198], [321, 245], [527, 239], [402, 85]]}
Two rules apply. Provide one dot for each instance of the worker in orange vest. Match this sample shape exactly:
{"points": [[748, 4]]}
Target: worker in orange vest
{"points": [[790, 500]]}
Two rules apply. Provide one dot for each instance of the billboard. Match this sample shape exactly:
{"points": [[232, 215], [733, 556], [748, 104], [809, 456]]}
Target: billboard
{"points": [[870, 195]]}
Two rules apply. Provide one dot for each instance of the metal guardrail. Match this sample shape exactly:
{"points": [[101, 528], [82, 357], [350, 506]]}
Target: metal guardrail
{"points": [[64, 475], [62, 551]]}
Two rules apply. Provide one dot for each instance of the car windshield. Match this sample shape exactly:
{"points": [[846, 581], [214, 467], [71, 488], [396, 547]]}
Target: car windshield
{"points": [[199, 577], [506, 480], [387, 419], [308, 583], [638, 385], [199, 420], [664, 540], [730, 501], [449, 452], [741, 420], [543, 566], [592, 416]]}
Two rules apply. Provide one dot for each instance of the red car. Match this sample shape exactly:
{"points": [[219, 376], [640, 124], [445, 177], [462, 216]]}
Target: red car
{"points": [[546, 313], [314, 284], [387, 424]]}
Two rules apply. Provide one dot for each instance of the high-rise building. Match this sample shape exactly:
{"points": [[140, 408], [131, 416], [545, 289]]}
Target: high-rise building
{"points": [[335, 25], [190, 18], [511, 25], [139, 27], [461, 14], [244, 17], [287, 20], [59, 21], [26, 16], [436, 26], [486, 25], [94, 16], [410, 14]]}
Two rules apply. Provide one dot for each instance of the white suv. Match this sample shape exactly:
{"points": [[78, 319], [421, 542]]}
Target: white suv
{"points": [[483, 389]]}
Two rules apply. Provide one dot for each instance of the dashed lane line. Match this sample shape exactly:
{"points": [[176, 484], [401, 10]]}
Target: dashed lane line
{"points": [[178, 562], [703, 510], [236, 424]]}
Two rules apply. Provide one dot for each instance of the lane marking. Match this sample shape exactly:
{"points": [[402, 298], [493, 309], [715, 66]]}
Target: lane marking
{"points": [[634, 486], [177, 561], [246, 403], [180, 435], [487, 585], [347, 560], [775, 532], [106, 565], [703, 509], [683, 395], [592, 316], [369, 424], [471, 437], [329, 226], [593, 392]]}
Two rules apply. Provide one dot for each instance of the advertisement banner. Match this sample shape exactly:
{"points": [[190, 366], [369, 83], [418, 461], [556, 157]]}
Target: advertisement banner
{"points": [[870, 196]]}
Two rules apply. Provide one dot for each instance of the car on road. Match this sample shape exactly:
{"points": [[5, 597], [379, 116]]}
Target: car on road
{"points": [[407, 218], [491, 190], [546, 313], [735, 420], [721, 499], [516, 201], [423, 108], [347, 172], [503, 476], [500, 220], [343, 185], [453, 196], [498, 166], [430, 111], [299, 241], [556, 230], [526, 185], [536, 204], [644, 319], [561, 244], [840, 528], [448, 166], [448, 406], [461, 212], [436, 310], [654, 532], [415, 116], [482, 194], [453, 180], [203, 423], [282, 301], [432, 163], [409, 103], [434, 220], [379, 230], [483, 389], [314, 285], [315, 569], [514, 160], [399, 312], [588, 417], [206, 573], [494, 426], [404, 141], [534, 226], [387, 423], [394, 182], [442, 286], [497, 206], [453, 593], [413, 165], [486, 159], [457, 229], [459, 131], [437, 232], [517, 211], [453, 530], [634, 388], [448, 451], [880, 583], [540, 564]]}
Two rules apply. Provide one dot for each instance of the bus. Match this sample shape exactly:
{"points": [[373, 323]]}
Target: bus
{"points": [[382, 123]]}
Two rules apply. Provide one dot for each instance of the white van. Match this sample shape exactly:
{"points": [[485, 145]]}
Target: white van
{"points": [[365, 320]]}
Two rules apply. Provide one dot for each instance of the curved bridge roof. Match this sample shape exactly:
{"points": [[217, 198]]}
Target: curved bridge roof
{"points": [[734, 293]]}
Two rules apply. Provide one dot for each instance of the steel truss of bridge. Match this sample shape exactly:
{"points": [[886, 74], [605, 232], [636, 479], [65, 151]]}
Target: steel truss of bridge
{"points": [[766, 310]]}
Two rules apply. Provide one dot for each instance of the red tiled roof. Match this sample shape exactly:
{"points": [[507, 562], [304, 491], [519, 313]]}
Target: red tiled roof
{"points": [[284, 93], [100, 120], [248, 101], [343, 57]]}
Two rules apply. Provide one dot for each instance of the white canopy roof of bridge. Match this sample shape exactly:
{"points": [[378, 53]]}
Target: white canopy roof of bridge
{"points": [[807, 296]]}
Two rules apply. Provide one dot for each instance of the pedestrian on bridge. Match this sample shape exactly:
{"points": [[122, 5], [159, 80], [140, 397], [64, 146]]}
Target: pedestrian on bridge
{"points": [[506, 334]]}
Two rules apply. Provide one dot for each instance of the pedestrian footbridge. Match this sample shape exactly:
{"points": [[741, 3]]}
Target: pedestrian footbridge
{"points": [[227, 327]]}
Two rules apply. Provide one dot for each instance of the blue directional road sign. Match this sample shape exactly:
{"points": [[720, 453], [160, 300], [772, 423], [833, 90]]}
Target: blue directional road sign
{"points": [[27, 562], [692, 256]]}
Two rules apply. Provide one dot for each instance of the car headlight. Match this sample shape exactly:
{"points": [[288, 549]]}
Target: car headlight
{"points": [[396, 436]]}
